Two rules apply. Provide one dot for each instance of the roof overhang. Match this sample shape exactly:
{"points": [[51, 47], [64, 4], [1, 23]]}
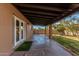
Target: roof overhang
{"points": [[46, 13]]}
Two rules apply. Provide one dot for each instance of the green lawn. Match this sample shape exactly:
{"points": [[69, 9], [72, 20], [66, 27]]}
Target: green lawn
{"points": [[70, 44], [24, 47]]}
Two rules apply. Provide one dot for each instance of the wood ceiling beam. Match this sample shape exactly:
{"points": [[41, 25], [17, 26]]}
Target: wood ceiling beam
{"points": [[35, 9], [40, 7], [74, 6], [42, 13], [28, 9], [27, 13], [41, 22], [39, 16]]}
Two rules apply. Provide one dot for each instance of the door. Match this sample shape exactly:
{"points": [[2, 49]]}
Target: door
{"points": [[19, 32]]}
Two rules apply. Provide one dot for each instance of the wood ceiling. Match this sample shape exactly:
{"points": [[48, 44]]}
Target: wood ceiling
{"points": [[45, 13]]}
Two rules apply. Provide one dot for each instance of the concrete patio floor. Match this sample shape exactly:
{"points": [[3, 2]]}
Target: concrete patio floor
{"points": [[43, 46]]}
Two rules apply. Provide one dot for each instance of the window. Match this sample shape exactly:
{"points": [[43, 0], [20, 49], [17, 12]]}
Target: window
{"points": [[22, 32]]}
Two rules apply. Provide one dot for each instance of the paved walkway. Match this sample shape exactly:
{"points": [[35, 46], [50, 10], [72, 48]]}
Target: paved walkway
{"points": [[43, 46]]}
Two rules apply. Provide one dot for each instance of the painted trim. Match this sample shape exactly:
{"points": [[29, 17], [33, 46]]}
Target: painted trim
{"points": [[24, 32]]}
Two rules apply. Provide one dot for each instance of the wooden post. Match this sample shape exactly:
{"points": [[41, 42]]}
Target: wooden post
{"points": [[50, 31], [45, 31]]}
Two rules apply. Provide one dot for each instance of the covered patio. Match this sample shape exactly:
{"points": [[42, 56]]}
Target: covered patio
{"points": [[45, 15], [17, 20]]}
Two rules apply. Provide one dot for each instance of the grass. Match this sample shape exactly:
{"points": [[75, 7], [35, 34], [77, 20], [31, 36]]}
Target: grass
{"points": [[24, 47], [70, 44]]}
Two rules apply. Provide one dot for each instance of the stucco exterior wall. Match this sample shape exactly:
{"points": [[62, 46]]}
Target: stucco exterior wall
{"points": [[6, 28], [29, 32]]}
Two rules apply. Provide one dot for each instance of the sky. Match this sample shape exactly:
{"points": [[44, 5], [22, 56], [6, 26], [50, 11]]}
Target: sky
{"points": [[37, 26], [74, 15], [71, 17]]}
